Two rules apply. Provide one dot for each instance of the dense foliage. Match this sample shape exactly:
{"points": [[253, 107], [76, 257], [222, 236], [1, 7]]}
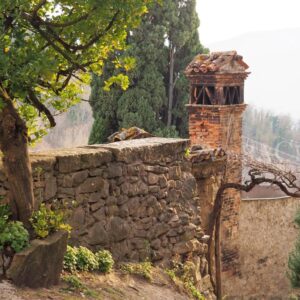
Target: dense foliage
{"points": [[15, 236], [46, 221], [48, 49], [294, 259], [182, 274], [12, 233], [46, 45], [86, 260], [105, 261], [83, 259], [162, 46], [70, 259], [143, 269]]}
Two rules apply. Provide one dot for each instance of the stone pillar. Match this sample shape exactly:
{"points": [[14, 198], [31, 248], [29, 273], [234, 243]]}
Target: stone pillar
{"points": [[215, 120]]}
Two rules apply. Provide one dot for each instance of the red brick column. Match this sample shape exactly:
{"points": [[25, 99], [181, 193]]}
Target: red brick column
{"points": [[221, 126]]}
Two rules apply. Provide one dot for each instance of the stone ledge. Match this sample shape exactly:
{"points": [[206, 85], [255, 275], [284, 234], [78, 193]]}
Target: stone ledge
{"points": [[128, 151]]}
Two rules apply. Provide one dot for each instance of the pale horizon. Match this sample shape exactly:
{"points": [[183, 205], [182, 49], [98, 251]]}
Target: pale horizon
{"points": [[268, 31], [221, 20]]}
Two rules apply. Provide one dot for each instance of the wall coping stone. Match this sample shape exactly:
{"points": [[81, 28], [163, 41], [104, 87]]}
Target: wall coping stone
{"points": [[99, 154], [132, 150]]}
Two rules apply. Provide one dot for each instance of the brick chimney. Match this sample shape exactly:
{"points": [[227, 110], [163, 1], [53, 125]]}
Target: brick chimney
{"points": [[216, 99], [215, 109]]}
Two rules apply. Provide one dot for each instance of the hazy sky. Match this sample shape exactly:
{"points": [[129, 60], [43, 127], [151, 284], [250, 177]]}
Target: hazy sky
{"points": [[223, 19], [262, 31]]}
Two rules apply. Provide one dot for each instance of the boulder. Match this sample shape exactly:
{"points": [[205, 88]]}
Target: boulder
{"points": [[94, 184], [118, 229], [98, 234], [41, 264]]}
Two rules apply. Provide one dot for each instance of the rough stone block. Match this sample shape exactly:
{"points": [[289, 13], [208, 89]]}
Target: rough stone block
{"points": [[96, 172], [97, 235], [41, 264], [94, 184], [79, 177], [50, 187], [118, 229], [158, 230], [152, 178], [78, 218], [115, 170]]}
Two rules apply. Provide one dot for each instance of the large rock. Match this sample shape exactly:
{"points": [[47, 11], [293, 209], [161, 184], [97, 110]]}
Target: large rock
{"points": [[41, 264], [118, 229], [94, 184], [98, 234]]}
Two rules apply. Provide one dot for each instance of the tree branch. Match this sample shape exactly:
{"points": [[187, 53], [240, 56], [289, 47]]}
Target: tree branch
{"points": [[97, 36], [259, 173], [70, 23], [41, 107], [59, 50], [38, 7], [36, 22]]}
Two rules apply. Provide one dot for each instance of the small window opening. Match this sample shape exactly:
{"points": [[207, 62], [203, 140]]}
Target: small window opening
{"points": [[232, 95], [203, 94]]}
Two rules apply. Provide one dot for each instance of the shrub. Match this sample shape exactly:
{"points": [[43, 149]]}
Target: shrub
{"points": [[141, 269], [181, 275], [73, 282], [86, 259], [105, 261], [14, 235], [294, 265], [189, 285], [294, 259], [83, 259], [75, 285], [46, 221], [70, 259], [187, 152], [4, 214]]}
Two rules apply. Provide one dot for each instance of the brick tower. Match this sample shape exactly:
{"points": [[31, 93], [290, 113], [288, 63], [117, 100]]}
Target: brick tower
{"points": [[215, 120]]}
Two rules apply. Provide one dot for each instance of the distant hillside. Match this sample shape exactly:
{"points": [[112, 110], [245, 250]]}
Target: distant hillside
{"points": [[274, 60]]}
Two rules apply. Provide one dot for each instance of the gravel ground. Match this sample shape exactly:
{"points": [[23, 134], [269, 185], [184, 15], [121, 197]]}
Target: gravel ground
{"points": [[8, 291]]}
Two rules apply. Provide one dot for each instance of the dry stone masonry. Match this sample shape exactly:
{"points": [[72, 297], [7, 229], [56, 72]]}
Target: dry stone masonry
{"points": [[137, 198]]}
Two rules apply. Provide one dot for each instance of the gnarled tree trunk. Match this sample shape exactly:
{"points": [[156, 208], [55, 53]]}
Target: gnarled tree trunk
{"points": [[13, 144]]}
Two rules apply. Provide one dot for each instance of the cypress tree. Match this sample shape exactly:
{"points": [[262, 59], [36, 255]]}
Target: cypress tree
{"points": [[162, 46]]}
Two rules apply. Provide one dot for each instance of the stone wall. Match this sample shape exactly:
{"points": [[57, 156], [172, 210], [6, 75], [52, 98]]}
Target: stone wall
{"points": [[267, 235], [136, 198]]}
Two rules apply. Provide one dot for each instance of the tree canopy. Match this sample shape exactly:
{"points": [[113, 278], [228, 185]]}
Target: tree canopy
{"points": [[48, 48], [162, 46]]}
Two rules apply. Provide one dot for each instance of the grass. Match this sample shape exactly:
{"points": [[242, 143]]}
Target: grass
{"points": [[143, 269], [75, 285], [181, 277]]}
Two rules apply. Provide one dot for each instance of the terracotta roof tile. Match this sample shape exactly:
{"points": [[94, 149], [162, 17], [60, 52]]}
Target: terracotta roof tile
{"points": [[217, 62]]}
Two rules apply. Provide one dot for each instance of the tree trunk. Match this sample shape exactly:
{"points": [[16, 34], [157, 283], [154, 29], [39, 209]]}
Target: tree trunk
{"points": [[13, 144], [218, 258], [171, 86]]}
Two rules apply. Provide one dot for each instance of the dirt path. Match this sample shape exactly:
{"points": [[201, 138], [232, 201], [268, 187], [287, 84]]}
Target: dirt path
{"points": [[8, 291], [114, 286]]}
